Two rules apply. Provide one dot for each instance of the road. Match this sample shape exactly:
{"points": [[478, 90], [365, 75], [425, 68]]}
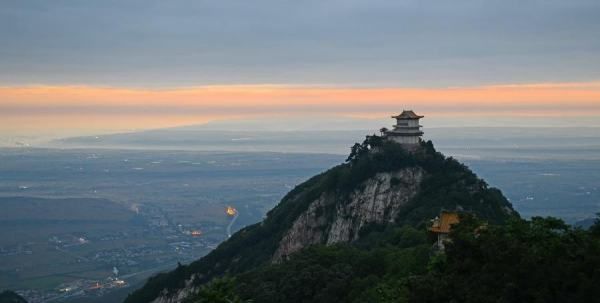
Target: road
{"points": [[231, 224]]}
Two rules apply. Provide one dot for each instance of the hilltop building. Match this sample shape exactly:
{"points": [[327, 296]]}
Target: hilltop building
{"points": [[441, 226], [407, 130]]}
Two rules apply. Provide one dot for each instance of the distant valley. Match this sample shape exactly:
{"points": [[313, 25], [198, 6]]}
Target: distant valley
{"points": [[141, 195], [70, 217]]}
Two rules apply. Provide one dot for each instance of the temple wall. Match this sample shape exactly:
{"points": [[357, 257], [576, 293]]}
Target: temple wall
{"points": [[413, 123], [405, 139]]}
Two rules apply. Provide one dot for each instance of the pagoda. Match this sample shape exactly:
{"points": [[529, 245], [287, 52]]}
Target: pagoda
{"points": [[407, 129]]}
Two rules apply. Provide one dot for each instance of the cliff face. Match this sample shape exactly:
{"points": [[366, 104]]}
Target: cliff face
{"points": [[179, 296], [377, 200]]}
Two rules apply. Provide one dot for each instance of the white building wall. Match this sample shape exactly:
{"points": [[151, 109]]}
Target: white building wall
{"points": [[405, 139], [413, 123], [401, 123], [406, 126]]}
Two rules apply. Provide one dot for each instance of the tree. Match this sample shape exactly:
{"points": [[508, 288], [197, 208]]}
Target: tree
{"points": [[595, 229], [537, 260], [221, 290]]}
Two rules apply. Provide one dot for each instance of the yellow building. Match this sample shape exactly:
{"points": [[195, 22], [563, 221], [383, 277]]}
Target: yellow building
{"points": [[442, 225]]}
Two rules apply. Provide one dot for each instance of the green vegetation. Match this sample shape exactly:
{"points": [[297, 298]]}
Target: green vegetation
{"points": [[341, 273], [447, 185], [541, 260], [537, 260], [219, 290], [8, 296]]}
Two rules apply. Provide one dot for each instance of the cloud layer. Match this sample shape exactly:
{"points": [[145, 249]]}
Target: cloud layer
{"points": [[551, 99], [416, 43]]}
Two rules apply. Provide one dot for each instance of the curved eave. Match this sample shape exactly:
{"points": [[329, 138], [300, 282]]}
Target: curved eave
{"points": [[408, 118]]}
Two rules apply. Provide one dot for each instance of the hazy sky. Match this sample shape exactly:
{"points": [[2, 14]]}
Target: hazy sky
{"points": [[160, 62]]}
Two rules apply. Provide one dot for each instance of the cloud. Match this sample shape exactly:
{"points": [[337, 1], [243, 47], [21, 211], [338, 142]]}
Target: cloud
{"points": [[550, 99], [382, 42], [58, 111]]}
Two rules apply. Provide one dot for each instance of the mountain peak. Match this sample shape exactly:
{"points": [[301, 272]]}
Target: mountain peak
{"points": [[382, 183]]}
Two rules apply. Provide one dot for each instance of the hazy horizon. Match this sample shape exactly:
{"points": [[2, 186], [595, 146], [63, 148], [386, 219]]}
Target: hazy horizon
{"points": [[290, 123]]}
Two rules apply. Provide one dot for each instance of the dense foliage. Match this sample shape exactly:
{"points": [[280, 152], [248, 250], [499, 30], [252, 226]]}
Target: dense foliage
{"points": [[540, 260], [448, 185], [8, 296], [359, 272]]}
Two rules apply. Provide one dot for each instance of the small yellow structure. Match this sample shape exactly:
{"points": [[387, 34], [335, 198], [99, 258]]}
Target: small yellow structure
{"points": [[230, 211], [442, 225]]}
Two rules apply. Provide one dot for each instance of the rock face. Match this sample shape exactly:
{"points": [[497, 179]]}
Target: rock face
{"points": [[377, 200], [180, 296]]}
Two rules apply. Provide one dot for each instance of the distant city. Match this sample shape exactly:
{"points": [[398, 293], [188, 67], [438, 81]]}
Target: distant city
{"points": [[71, 216]]}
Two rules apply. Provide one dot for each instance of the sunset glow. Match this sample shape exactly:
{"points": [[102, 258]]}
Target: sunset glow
{"points": [[109, 109], [260, 98]]}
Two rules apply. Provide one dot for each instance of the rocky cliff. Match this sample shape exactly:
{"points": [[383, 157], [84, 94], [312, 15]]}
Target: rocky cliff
{"points": [[381, 184], [376, 200]]}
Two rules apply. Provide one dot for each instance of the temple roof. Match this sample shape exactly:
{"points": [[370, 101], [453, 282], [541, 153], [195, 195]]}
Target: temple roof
{"points": [[408, 114], [444, 222]]}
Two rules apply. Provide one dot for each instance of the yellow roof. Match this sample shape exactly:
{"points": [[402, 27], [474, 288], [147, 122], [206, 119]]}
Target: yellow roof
{"points": [[444, 223]]}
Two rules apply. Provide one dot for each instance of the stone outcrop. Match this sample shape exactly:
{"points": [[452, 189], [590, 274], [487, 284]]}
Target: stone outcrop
{"points": [[333, 219], [180, 296]]}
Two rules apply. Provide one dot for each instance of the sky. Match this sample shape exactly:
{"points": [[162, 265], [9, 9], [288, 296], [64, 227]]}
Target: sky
{"points": [[71, 67]]}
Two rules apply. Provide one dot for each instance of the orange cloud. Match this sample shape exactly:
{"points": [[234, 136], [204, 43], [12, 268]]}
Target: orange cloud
{"points": [[105, 108], [269, 98]]}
